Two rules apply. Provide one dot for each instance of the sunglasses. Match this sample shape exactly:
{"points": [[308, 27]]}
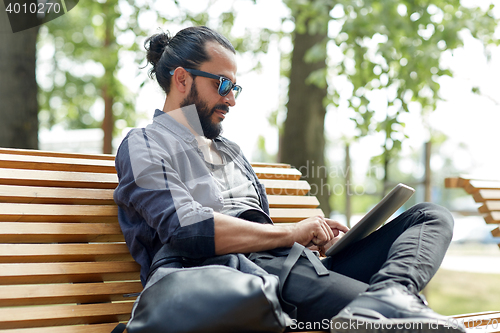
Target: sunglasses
{"points": [[225, 85]]}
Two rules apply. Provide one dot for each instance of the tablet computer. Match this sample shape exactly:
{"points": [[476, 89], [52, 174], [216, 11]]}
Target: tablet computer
{"points": [[374, 218]]}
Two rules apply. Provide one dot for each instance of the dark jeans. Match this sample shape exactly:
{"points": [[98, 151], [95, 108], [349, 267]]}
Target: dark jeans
{"points": [[408, 250]]}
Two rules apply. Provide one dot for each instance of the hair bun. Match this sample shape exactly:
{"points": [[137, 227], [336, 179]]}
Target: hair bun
{"points": [[155, 46]]}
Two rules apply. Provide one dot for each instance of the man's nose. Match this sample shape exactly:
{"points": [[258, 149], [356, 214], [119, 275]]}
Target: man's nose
{"points": [[229, 99]]}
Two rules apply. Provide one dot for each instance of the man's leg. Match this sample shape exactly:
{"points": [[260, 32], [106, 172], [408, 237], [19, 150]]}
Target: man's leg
{"points": [[317, 298], [391, 302], [408, 250]]}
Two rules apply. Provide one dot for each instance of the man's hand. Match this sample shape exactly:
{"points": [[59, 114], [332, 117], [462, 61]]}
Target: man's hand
{"points": [[318, 231], [322, 249], [339, 231], [234, 235]]}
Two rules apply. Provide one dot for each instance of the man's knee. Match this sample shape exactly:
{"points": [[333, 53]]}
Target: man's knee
{"points": [[434, 210], [437, 214]]}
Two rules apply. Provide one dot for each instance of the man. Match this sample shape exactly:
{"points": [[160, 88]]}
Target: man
{"points": [[182, 184]]}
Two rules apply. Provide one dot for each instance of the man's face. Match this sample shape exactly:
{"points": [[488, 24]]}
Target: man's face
{"points": [[212, 107], [211, 129]]}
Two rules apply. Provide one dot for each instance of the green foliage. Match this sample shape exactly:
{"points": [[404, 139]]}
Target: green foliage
{"points": [[85, 62], [395, 47], [260, 153], [310, 16], [91, 40], [390, 48]]}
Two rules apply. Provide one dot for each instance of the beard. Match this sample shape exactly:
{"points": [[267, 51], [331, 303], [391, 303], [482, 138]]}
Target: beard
{"points": [[209, 129]]}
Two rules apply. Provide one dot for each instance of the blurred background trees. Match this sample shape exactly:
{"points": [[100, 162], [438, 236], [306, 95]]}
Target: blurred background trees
{"points": [[91, 46], [388, 48], [344, 52], [81, 88]]}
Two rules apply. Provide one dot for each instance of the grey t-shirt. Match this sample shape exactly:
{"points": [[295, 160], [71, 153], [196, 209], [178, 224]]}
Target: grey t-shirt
{"points": [[237, 190]]}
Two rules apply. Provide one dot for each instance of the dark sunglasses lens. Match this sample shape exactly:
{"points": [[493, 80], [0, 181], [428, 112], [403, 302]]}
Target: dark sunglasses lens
{"points": [[225, 87]]}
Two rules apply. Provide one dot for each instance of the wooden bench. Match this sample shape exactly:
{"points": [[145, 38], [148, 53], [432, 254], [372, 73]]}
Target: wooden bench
{"points": [[485, 191], [64, 266]]}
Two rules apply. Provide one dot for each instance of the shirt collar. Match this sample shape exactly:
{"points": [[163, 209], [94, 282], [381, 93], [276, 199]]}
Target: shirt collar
{"points": [[165, 120]]}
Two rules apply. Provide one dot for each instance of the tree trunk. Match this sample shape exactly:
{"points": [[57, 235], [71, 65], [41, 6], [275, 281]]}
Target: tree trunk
{"points": [[386, 158], [108, 123], [18, 87], [110, 61], [348, 184], [428, 172], [303, 141]]}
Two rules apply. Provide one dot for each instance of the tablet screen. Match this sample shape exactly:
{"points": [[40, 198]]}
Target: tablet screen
{"points": [[374, 218]]}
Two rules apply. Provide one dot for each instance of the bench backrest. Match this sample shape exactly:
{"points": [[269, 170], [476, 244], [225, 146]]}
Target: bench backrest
{"points": [[64, 266], [484, 190]]}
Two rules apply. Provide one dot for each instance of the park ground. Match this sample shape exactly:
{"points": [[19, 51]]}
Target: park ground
{"points": [[461, 286]]}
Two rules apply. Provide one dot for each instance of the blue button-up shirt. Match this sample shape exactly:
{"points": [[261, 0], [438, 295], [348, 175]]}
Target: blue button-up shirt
{"points": [[166, 194]]}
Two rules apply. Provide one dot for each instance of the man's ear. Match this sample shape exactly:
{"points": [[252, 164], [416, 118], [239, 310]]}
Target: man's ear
{"points": [[182, 80]]}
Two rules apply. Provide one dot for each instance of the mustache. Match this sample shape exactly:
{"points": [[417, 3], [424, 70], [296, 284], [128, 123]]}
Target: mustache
{"points": [[222, 107]]}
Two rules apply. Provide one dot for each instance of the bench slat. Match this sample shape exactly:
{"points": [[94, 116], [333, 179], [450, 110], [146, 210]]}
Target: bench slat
{"points": [[32, 152], [285, 215], [57, 213], [477, 320], [476, 185], [89, 196], [94, 328], [100, 214], [40, 232], [32, 162], [289, 201], [24, 253], [451, 182], [109, 181], [286, 187], [492, 218], [64, 315], [58, 178], [63, 272], [55, 195], [277, 173], [483, 195], [24, 295], [489, 206], [467, 177], [81, 162], [269, 165], [484, 329]]}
